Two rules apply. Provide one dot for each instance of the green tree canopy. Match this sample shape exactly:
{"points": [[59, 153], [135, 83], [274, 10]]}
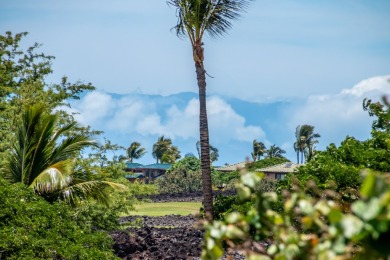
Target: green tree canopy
{"points": [[164, 151], [274, 152], [135, 151], [259, 150], [23, 74], [305, 140]]}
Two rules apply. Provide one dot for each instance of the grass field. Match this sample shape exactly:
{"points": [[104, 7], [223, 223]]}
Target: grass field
{"points": [[166, 208]]}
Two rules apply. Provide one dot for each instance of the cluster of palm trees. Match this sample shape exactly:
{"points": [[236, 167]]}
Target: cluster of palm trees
{"points": [[305, 141], [163, 151], [259, 150]]}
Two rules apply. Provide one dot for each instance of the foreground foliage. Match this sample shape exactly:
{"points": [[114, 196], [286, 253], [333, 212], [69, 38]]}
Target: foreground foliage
{"points": [[43, 159], [31, 228], [309, 227]]}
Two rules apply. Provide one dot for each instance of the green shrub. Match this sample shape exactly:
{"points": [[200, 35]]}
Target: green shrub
{"points": [[310, 226], [31, 228], [184, 176]]}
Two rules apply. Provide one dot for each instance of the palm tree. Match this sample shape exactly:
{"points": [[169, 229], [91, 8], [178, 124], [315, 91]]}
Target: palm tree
{"points": [[258, 150], [195, 17], [164, 151], [305, 140], [43, 158], [135, 151], [275, 152], [171, 155]]}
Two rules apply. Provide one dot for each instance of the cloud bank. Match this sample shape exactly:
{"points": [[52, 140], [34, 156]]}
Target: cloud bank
{"points": [[144, 118]]}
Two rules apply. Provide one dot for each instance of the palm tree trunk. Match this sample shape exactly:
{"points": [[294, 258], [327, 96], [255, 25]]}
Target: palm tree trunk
{"points": [[204, 142]]}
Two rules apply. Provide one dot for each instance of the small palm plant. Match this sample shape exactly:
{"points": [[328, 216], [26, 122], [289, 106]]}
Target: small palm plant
{"points": [[43, 158]]}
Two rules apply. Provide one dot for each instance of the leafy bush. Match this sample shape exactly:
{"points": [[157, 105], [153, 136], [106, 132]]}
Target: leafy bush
{"points": [[184, 176], [106, 217], [309, 227], [338, 167], [180, 181], [31, 228], [266, 162]]}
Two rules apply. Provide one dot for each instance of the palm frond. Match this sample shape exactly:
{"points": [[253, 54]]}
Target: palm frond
{"points": [[54, 178], [84, 190], [194, 17]]}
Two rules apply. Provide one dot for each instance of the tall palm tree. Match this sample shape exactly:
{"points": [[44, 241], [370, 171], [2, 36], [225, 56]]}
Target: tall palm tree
{"points": [[135, 151], [258, 150], [305, 140], [214, 153], [275, 152], [43, 158], [195, 17]]}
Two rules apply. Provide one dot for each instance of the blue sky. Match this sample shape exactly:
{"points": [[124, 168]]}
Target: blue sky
{"points": [[309, 55]]}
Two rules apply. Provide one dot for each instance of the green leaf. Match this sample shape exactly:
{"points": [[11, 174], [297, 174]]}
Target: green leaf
{"points": [[335, 216], [368, 210], [351, 225], [368, 185], [250, 179]]}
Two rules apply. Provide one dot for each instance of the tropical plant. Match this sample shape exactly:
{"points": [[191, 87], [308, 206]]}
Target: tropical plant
{"points": [[381, 111], [32, 228], [171, 155], [135, 151], [43, 158], [305, 140], [214, 153], [164, 151], [195, 17], [274, 152], [310, 226], [22, 83], [258, 150]]}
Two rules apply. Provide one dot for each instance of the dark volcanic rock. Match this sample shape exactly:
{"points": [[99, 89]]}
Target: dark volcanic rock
{"points": [[163, 221], [158, 243], [186, 197]]}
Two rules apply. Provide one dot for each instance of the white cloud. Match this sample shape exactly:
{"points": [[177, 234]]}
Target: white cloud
{"points": [[336, 116], [143, 116], [380, 84], [94, 107]]}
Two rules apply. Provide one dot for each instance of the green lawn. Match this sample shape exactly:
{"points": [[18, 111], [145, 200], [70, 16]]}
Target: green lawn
{"points": [[166, 208]]}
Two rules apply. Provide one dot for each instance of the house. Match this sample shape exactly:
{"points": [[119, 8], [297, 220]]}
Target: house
{"points": [[232, 167], [132, 177], [150, 171], [279, 171]]}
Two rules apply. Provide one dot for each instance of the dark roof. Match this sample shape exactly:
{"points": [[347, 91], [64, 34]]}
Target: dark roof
{"points": [[130, 165], [160, 166]]}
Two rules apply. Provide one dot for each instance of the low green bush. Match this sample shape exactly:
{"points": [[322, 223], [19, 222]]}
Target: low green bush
{"points": [[32, 228]]}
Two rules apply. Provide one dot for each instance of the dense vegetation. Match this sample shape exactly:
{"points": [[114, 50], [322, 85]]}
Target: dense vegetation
{"points": [[57, 200], [325, 210], [32, 228]]}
